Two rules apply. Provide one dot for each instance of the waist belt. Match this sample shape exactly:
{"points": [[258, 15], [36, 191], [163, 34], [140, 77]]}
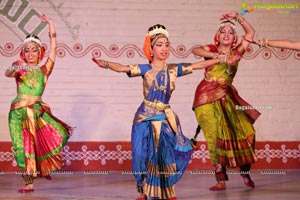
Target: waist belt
{"points": [[29, 97], [158, 105]]}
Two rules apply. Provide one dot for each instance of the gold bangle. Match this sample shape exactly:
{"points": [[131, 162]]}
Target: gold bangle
{"points": [[105, 64], [52, 35], [216, 55], [239, 19], [264, 43]]}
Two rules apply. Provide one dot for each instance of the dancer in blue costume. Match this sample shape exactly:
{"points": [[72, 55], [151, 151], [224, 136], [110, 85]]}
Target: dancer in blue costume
{"points": [[160, 151]]}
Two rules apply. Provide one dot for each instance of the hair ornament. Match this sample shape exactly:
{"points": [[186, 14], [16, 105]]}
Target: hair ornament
{"points": [[227, 23], [33, 38], [159, 31], [154, 32]]}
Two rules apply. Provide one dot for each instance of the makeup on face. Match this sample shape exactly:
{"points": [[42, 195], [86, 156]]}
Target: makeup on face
{"points": [[161, 48], [226, 34], [31, 53]]}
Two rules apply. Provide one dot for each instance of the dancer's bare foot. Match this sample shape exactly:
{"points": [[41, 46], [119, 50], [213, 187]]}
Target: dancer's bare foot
{"points": [[27, 188], [221, 185], [248, 181], [48, 177], [142, 197]]}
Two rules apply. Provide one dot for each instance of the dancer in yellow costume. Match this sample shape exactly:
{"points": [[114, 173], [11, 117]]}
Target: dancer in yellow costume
{"points": [[227, 128]]}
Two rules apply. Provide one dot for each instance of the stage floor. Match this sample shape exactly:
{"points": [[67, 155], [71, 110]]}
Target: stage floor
{"points": [[117, 185]]}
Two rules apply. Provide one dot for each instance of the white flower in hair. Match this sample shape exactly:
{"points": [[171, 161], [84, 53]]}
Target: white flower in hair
{"points": [[32, 39], [157, 31]]}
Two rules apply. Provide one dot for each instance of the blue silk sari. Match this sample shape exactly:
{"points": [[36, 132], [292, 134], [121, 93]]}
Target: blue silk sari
{"points": [[160, 151]]}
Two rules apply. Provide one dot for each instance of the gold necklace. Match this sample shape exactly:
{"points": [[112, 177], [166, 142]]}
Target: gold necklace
{"points": [[229, 69], [33, 79], [228, 53]]}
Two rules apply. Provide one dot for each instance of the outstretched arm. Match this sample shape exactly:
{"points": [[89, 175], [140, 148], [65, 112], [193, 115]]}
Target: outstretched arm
{"points": [[117, 67], [12, 72], [204, 51], [52, 36], [249, 30], [287, 44], [229, 60], [205, 63]]}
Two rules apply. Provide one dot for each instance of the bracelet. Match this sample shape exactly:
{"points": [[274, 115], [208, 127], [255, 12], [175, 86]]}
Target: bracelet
{"points": [[264, 43], [105, 64], [216, 55], [52, 35], [239, 19]]}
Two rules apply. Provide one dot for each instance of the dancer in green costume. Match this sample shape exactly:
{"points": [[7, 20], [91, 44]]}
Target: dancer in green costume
{"points": [[37, 136]]}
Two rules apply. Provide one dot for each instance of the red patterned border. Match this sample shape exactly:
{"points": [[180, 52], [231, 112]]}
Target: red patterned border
{"points": [[131, 50], [116, 156]]}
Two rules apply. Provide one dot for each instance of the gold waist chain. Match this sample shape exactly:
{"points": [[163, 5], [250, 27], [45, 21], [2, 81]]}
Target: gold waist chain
{"points": [[157, 105]]}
